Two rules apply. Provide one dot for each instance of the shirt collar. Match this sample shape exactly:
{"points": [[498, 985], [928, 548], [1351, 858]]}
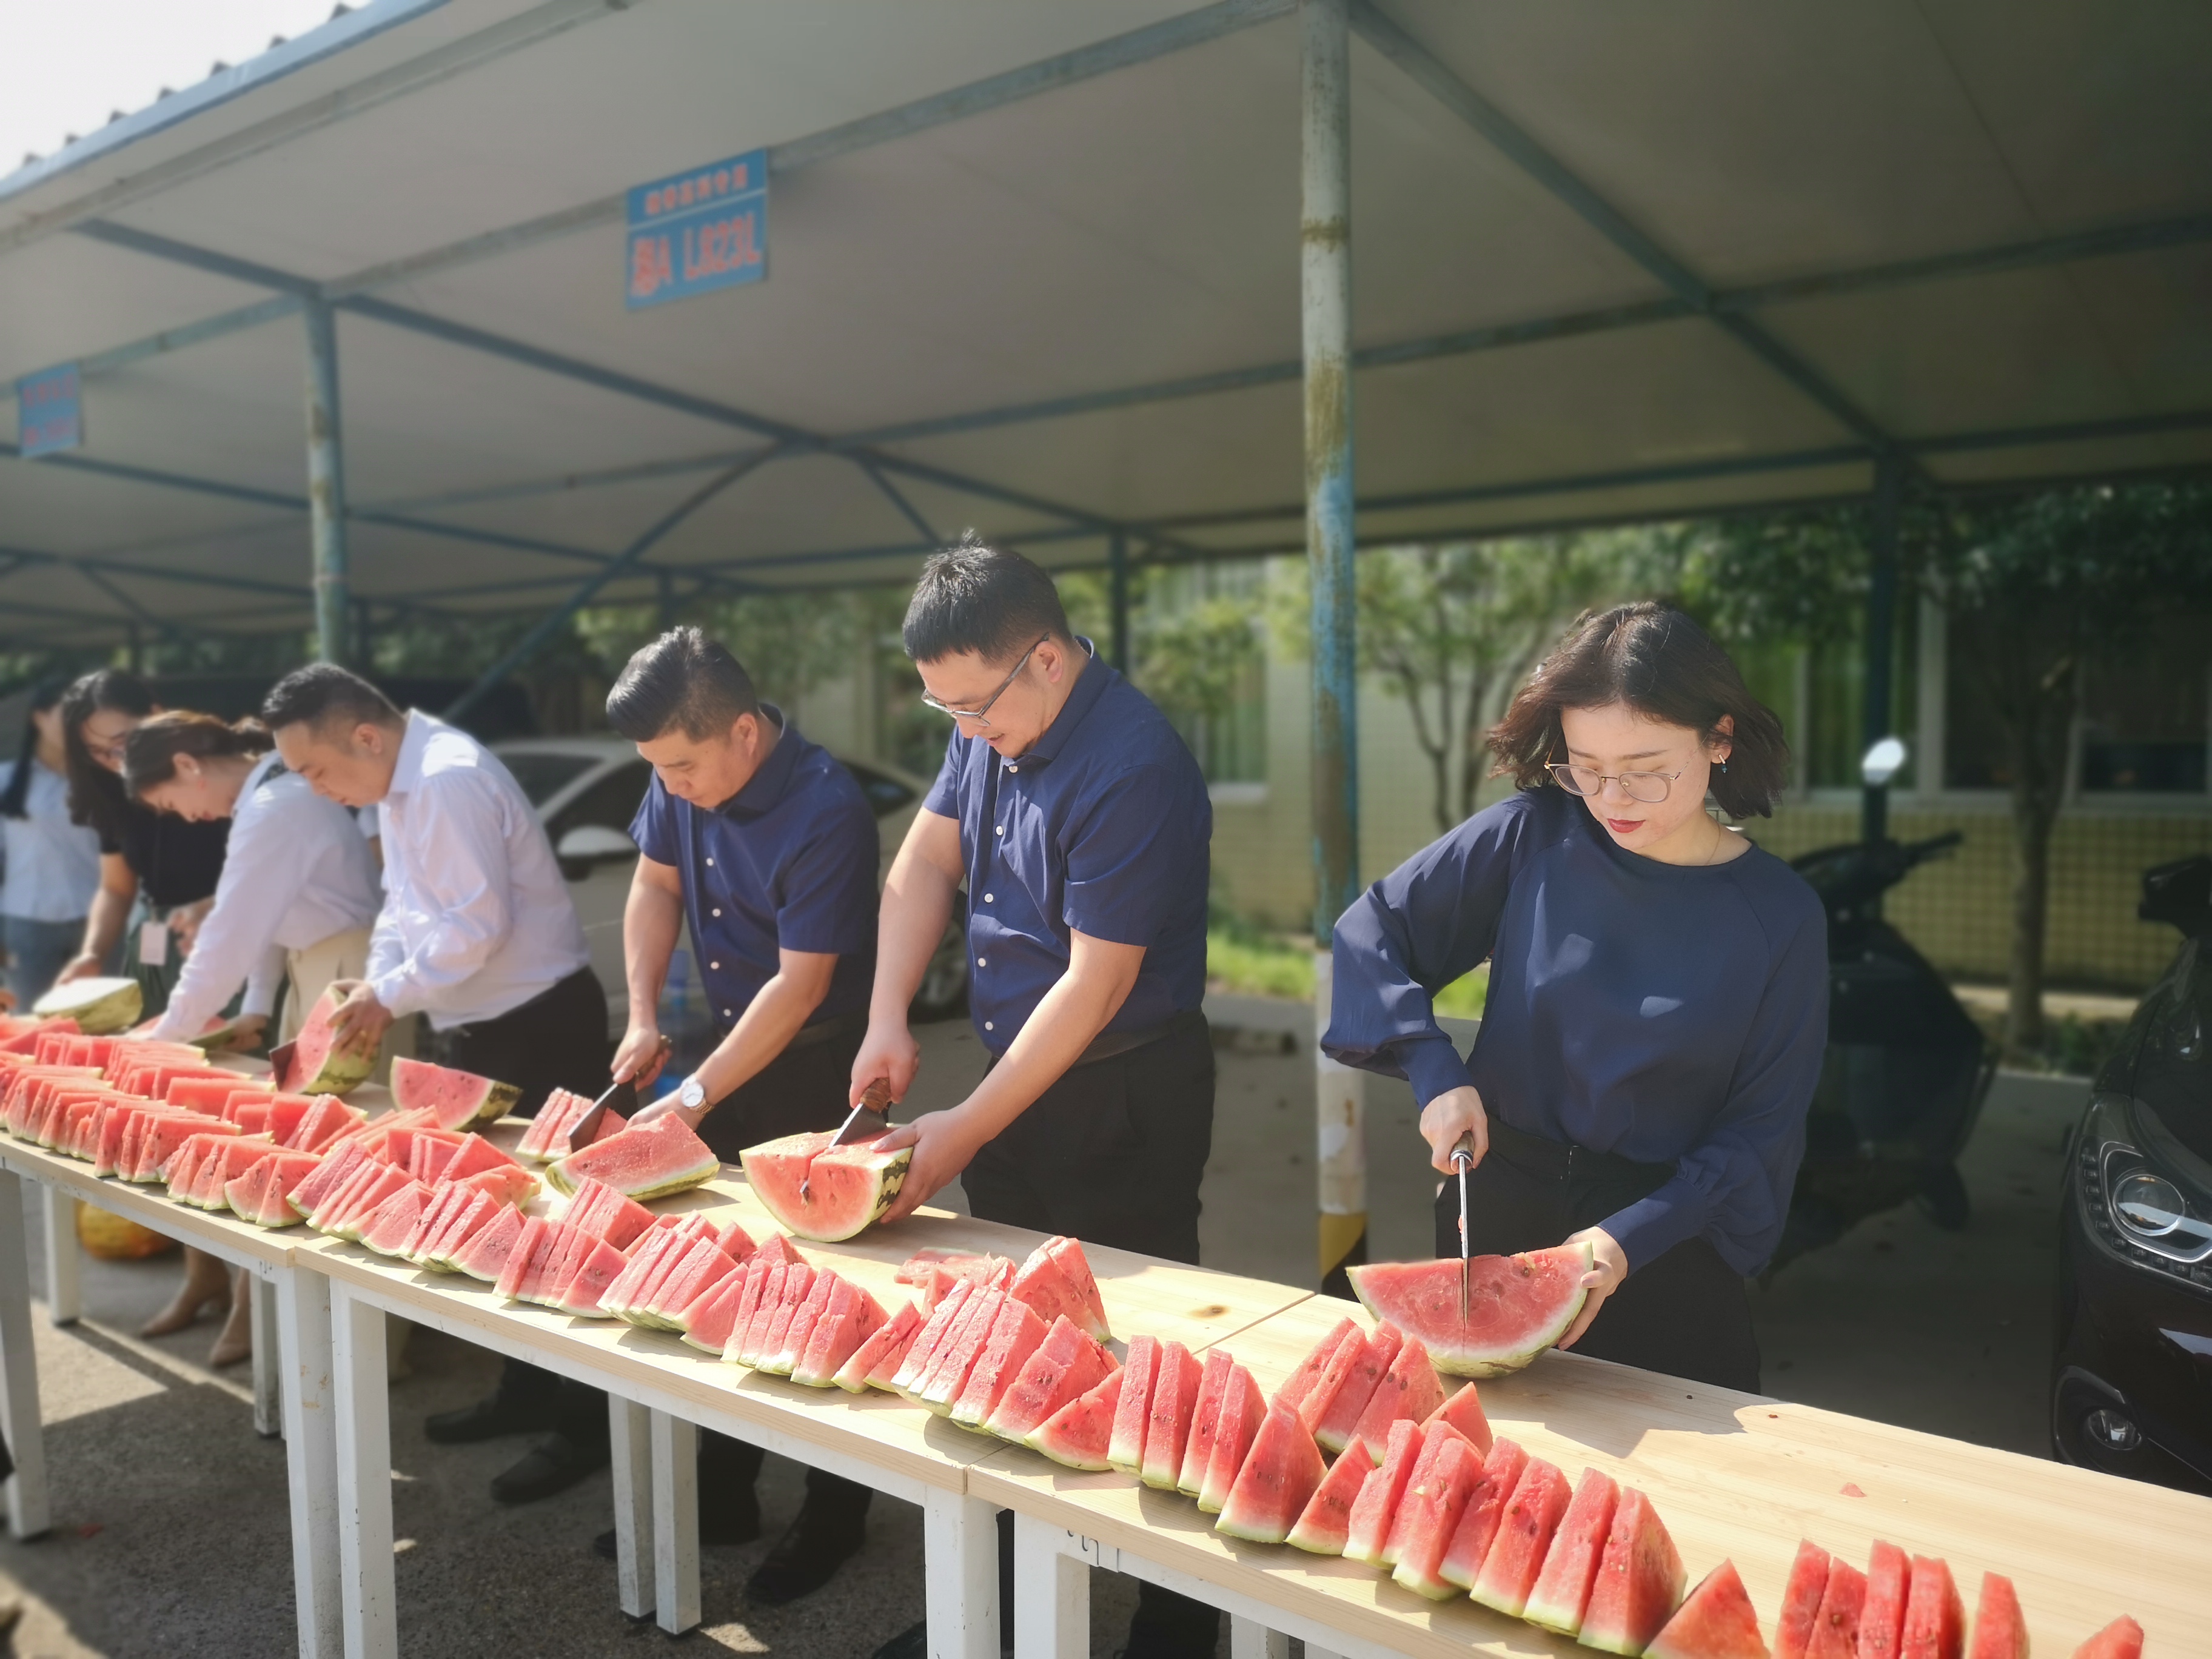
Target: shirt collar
{"points": [[268, 763], [407, 771], [772, 777], [1082, 696]]}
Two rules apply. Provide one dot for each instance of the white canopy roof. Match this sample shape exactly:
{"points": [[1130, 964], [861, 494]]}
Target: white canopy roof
{"points": [[1034, 268]]}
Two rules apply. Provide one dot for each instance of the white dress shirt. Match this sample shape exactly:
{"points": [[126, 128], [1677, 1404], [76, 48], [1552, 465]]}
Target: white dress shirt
{"points": [[295, 872], [52, 865], [476, 919]]}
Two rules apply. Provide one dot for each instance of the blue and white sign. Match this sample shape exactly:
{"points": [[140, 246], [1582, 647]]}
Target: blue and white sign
{"points": [[49, 411], [698, 231]]}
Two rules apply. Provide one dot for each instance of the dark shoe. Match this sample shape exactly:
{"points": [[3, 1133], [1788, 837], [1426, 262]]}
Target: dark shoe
{"points": [[487, 1420], [553, 1465], [907, 1644], [723, 1524], [1167, 1626], [804, 1558]]}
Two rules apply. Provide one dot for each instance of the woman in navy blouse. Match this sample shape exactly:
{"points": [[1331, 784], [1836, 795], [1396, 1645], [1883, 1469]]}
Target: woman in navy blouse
{"points": [[1658, 993]]}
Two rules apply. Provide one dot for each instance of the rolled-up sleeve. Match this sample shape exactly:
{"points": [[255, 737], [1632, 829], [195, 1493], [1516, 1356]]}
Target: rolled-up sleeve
{"points": [[1431, 919], [1733, 1188]]}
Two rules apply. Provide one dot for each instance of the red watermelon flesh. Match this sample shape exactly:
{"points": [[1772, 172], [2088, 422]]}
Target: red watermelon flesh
{"points": [[210, 1094], [1639, 1580], [269, 1180], [1243, 1409], [918, 1269], [1132, 1411], [894, 1355], [1934, 1614], [587, 1280], [1078, 1433], [1463, 1411], [1717, 1622], [786, 1350], [1325, 1525], [2121, 1639], [1836, 1626], [322, 1123], [479, 1212], [1562, 1589], [560, 1266], [394, 1220], [383, 1182], [1069, 1254], [1280, 1474], [876, 1350], [852, 1317], [750, 1284], [335, 1168], [455, 1098], [798, 1284], [1342, 1413], [1800, 1601], [1044, 1287], [1381, 1491], [643, 1258], [510, 1183], [1016, 1334], [527, 1258], [735, 1242], [336, 1196], [648, 1160], [1525, 1536], [1198, 1448], [645, 1307], [1999, 1632], [964, 1340], [708, 1321], [484, 1255], [547, 1137], [1408, 1389], [1067, 1366], [1301, 1382], [704, 1266], [1518, 1306], [1174, 1399], [1430, 1511], [1435, 1437], [1882, 1615], [746, 1340], [165, 1134], [317, 1066], [112, 1130], [437, 1215]]}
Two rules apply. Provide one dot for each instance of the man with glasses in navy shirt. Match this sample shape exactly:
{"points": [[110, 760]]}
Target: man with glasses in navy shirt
{"points": [[1080, 823], [763, 843]]}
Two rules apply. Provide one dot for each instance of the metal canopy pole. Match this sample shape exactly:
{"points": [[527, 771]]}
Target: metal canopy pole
{"points": [[1117, 566], [1881, 635], [326, 483], [1325, 269]]}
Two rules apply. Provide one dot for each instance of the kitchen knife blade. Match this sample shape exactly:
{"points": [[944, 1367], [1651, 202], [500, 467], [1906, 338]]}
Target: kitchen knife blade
{"points": [[870, 1118]]}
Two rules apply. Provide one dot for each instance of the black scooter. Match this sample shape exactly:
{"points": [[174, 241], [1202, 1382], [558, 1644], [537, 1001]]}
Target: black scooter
{"points": [[1906, 1072]]}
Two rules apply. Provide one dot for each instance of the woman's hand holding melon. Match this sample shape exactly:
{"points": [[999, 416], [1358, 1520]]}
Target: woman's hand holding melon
{"points": [[1609, 1267], [1455, 1112]]}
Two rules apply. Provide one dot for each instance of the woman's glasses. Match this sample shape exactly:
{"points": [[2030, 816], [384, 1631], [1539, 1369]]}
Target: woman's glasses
{"points": [[1649, 788]]}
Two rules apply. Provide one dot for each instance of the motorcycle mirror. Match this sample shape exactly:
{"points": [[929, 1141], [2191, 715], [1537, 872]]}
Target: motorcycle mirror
{"points": [[1882, 762]]}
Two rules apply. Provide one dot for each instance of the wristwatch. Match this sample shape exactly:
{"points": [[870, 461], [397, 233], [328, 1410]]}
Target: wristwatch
{"points": [[692, 1096]]}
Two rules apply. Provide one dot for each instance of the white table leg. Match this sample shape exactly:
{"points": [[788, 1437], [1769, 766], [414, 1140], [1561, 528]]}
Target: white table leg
{"points": [[29, 1515], [675, 1523], [268, 1358], [63, 1303], [301, 1345], [960, 1538], [1250, 1639], [364, 1477], [629, 1432], [1052, 1594]]}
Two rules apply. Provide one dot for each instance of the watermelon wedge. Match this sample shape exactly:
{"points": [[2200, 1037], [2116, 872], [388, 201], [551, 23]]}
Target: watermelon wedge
{"points": [[1198, 1448], [1175, 1401], [1134, 1409], [648, 1160], [1486, 1507], [708, 1321], [1341, 1413], [922, 1351], [1717, 1622], [263, 1187], [444, 1205], [1077, 1434], [790, 1335], [455, 1099], [97, 1005], [1800, 1601], [1639, 1580], [316, 1066], [1421, 1531], [1525, 1537], [598, 1209], [1381, 1492], [1280, 1475], [644, 1256], [395, 1220], [1325, 1524], [1068, 1366], [1999, 1632], [1300, 1384], [1242, 1410], [1057, 1279], [853, 1316], [1562, 1588], [824, 1192], [547, 1137], [1408, 1389], [1836, 1626], [1518, 1305], [1881, 1616], [1463, 1411], [484, 1256], [588, 1279], [890, 1338], [2121, 1639], [948, 1372], [1016, 1334], [1935, 1618], [894, 1354]]}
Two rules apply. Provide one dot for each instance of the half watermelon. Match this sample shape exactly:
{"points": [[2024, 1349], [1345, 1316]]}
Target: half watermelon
{"points": [[1518, 1306], [824, 1192]]}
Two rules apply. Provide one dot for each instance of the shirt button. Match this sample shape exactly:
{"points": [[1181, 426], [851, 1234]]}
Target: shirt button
{"points": [[713, 964], [1001, 830], [987, 898], [988, 1026], [1013, 768], [981, 963], [726, 1014], [710, 864], [717, 913]]}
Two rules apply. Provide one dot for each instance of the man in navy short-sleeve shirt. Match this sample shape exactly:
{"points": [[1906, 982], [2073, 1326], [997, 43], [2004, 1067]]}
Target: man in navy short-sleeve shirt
{"points": [[763, 843], [1080, 823]]}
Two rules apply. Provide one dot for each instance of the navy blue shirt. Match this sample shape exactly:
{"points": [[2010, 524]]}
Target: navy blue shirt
{"points": [[1102, 828], [1667, 1013], [786, 863]]}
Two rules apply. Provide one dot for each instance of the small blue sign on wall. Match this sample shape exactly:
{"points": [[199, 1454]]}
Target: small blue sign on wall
{"points": [[49, 411], [697, 231]]}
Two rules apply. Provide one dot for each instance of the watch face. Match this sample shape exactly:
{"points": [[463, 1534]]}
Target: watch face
{"points": [[691, 1095]]}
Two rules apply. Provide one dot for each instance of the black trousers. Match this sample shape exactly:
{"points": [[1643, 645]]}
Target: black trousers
{"points": [[556, 1040], [1113, 1154], [1685, 1314]]}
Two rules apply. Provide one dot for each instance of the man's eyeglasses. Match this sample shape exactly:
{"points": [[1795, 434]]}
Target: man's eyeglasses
{"points": [[977, 718], [1649, 788]]}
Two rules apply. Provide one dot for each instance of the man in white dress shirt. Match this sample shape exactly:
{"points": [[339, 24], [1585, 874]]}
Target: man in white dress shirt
{"points": [[479, 934]]}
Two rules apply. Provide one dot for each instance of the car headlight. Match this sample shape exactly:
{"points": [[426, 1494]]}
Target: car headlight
{"points": [[2138, 1192]]}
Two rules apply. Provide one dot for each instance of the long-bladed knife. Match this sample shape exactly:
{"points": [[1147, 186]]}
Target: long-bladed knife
{"points": [[1462, 1158], [621, 1097], [870, 1118]]}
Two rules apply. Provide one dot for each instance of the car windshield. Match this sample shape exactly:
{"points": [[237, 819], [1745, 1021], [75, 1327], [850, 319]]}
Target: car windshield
{"points": [[543, 775]]}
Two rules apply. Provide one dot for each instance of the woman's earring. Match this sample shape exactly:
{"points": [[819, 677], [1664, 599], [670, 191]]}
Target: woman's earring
{"points": [[1723, 766]]}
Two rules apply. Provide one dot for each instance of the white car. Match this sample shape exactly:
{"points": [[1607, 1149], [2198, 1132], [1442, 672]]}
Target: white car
{"points": [[586, 791]]}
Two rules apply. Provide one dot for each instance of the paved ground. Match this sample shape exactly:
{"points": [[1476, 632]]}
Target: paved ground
{"points": [[170, 1536]]}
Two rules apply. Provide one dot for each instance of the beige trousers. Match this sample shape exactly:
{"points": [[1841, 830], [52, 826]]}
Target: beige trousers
{"points": [[311, 971]]}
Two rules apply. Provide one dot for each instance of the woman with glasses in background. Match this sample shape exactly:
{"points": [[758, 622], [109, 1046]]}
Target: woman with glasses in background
{"points": [[53, 866], [1658, 994]]}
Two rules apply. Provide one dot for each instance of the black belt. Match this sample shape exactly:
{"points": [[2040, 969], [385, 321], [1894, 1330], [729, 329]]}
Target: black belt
{"points": [[1107, 1044], [827, 1031], [1563, 1161]]}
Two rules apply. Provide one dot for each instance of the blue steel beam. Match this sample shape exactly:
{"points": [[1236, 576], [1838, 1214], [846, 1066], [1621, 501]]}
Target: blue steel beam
{"points": [[894, 495]]}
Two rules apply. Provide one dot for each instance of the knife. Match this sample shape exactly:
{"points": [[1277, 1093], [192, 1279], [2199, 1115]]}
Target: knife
{"points": [[621, 1097], [870, 1118], [280, 1063], [1462, 1158]]}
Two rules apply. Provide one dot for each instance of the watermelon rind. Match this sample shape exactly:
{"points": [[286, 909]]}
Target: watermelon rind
{"points": [[98, 1006], [458, 1098], [848, 1192], [317, 1066], [649, 1160], [1280, 1474], [1520, 1305], [1717, 1622]]}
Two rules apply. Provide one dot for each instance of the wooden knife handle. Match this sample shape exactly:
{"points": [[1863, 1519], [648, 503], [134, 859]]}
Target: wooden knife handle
{"points": [[876, 1097]]}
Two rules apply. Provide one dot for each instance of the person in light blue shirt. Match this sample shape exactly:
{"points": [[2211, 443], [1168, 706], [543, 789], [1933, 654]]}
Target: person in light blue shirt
{"points": [[52, 865]]}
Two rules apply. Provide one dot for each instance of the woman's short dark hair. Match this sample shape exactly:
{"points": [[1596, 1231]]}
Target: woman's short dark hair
{"points": [[683, 679], [95, 795], [323, 694], [1654, 659], [991, 601], [150, 753], [14, 796]]}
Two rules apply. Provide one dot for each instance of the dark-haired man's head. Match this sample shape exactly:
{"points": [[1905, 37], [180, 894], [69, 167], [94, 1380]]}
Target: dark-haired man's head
{"points": [[690, 709], [336, 730], [986, 632]]}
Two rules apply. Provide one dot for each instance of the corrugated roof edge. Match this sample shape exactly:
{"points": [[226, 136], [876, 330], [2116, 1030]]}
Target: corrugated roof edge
{"points": [[362, 23]]}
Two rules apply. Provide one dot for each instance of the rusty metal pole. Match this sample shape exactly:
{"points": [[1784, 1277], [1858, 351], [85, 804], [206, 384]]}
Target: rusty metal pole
{"points": [[1325, 269], [326, 506]]}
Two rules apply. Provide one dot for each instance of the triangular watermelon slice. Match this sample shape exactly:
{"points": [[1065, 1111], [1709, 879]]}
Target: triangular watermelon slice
{"points": [[1562, 1588], [1068, 1364], [1336, 1404], [395, 1220], [1242, 1409], [1935, 1618], [751, 1282], [1882, 1615], [587, 1280], [445, 1203], [1408, 1389], [643, 1257], [1325, 1524], [1381, 1492], [791, 1339], [478, 1214], [528, 1257], [923, 1348], [702, 1265], [1015, 1334], [1198, 1448], [1174, 1401], [1463, 1411], [1717, 1622], [598, 1209], [2121, 1639], [484, 1255], [1836, 1627], [887, 1364], [1525, 1537], [780, 1293], [1298, 1387], [1422, 1529], [1132, 1418], [707, 1322], [746, 1337], [948, 1372], [851, 1317], [1639, 1581], [1280, 1475], [1077, 1434], [1076, 1266], [889, 1338]]}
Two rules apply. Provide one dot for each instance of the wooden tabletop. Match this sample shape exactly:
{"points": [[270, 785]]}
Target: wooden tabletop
{"points": [[150, 1205]]}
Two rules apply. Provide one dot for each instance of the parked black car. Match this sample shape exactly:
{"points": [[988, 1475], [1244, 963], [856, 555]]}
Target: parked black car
{"points": [[2131, 1382]]}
